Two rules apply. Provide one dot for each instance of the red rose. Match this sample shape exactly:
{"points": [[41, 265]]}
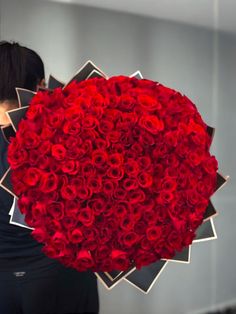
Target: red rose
{"points": [[33, 157], [97, 205], [130, 184], [72, 141], [115, 173], [165, 197], [120, 193], [130, 238], [144, 162], [145, 179], [31, 139], [131, 167], [69, 223], [89, 122], [149, 103], [34, 111], [136, 196], [171, 138], [84, 192], [175, 240], [102, 252], [43, 162], [150, 216], [109, 186], [17, 157], [48, 182], [69, 192], [105, 126], [99, 157], [100, 144], [130, 118], [127, 223], [195, 157], [52, 225], [136, 212], [55, 120], [195, 127], [58, 151], [56, 209], [121, 209], [210, 165], [75, 236], [86, 216], [38, 209], [95, 184], [70, 167], [126, 102], [90, 234], [32, 176], [169, 184], [115, 160], [153, 233], [71, 127], [145, 244], [51, 251], [59, 242], [151, 123], [87, 168], [83, 260], [140, 227], [144, 258], [119, 260], [39, 234], [71, 208], [105, 234], [24, 203], [73, 113]]}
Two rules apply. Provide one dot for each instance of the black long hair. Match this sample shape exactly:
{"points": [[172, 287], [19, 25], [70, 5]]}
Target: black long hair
{"points": [[19, 67]]}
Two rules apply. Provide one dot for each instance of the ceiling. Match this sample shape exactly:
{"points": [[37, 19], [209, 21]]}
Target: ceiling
{"points": [[214, 14]]}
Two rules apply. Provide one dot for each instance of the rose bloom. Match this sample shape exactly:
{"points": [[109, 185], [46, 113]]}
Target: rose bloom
{"points": [[32, 176], [120, 260], [58, 151], [83, 260], [151, 123]]}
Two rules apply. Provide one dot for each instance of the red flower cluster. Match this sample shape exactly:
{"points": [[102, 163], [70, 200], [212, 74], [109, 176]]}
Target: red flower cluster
{"points": [[112, 173]]}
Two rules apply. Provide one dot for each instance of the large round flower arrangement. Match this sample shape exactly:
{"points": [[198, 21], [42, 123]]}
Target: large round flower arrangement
{"points": [[112, 173]]}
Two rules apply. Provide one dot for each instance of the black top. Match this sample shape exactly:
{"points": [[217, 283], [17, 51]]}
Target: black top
{"points": [[14, 241]]}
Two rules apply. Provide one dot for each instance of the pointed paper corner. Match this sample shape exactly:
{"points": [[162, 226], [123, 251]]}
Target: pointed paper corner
{"points": [[206, 232], [84, 72], [5, 183], [210, 212], [141, 281], [109, 282], [24, 96], [53, 83], [221, 181], [183, 257], [94, 74], [137, 75], [211, 132], [15, 116], [7, 132]]}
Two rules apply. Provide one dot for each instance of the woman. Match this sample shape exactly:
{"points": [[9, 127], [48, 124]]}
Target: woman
{"points": [[30, 282]]}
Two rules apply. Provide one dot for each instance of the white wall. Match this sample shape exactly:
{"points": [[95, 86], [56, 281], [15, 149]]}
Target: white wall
{"points": [[192, 60]]}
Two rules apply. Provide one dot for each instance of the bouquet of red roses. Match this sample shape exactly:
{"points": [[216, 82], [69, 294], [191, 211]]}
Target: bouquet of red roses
{"points": [[112, 174]]}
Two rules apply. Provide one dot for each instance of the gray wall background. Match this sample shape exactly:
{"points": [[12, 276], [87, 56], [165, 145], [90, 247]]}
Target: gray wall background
{"points": [[197, 62]]}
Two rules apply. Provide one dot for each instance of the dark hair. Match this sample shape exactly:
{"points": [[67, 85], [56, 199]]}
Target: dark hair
{"points": [[19, 67]]}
